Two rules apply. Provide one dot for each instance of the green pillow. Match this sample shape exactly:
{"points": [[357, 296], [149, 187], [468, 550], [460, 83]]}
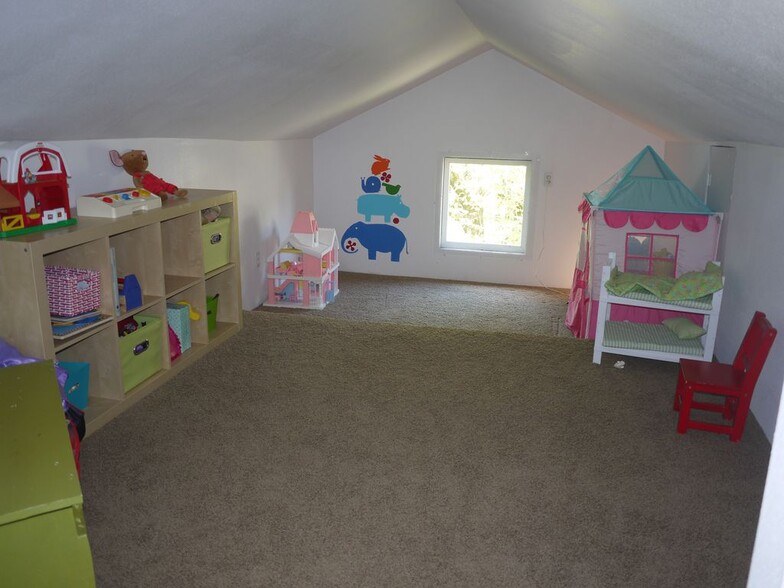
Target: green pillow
{"points": [[712, 268], [693, 285], [684, 328]]}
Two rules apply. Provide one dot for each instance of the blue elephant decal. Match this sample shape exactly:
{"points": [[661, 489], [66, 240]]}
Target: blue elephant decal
{"points": [[374, 238]]}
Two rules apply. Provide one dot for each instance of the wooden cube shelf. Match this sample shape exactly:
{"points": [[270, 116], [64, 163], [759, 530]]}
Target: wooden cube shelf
{"points": [[163, 249]]}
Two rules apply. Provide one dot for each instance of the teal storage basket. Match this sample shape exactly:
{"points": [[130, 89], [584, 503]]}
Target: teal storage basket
{"points": [[78, 382], [178, 315]]}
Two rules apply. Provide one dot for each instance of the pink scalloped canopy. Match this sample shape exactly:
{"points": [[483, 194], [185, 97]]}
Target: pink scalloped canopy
{"points": [[665, 220]]}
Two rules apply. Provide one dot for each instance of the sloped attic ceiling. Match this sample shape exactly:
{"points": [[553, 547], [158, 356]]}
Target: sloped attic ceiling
{"points": [[278, 69], [684, 69], [236, 69]]}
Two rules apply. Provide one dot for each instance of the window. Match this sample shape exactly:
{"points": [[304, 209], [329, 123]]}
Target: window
{"points": [[484, 204], [647, 253]]}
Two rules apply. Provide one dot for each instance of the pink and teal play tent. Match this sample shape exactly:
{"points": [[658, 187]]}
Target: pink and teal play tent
{"points": [[653, 222]]}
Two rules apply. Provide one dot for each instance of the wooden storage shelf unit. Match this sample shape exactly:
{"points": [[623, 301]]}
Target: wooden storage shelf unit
{"points": [[163, 248]]}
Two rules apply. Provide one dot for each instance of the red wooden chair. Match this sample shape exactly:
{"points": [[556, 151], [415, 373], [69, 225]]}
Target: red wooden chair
{"points": [[735, 382]]}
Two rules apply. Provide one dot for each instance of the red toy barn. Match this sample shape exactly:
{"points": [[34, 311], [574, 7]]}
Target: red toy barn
{"points": [[33, 188]]}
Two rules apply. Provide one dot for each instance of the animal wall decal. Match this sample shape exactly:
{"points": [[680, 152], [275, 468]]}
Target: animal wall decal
{"points": [[380, 165], [375, 237], [379, 236], [370, 205], [371, 184]]}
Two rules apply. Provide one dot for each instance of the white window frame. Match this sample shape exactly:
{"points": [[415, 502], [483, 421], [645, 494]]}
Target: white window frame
{"points": [[445, 245], [651, 258]]}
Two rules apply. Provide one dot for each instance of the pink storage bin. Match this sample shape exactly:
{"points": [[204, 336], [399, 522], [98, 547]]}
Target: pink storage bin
{"points": [[72, 290]]}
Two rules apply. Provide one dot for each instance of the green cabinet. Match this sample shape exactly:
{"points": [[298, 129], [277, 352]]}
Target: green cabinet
{"points": [[43, 538]]}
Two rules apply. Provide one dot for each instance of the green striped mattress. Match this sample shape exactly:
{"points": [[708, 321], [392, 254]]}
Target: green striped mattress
{"points": [[648, 337], [704, 303]]}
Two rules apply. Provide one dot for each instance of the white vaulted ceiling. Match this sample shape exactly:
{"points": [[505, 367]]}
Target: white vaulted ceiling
{"points": [[691, 69], [280, 69]]}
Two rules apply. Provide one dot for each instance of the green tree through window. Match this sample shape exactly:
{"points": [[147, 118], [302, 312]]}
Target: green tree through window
{"points": [[484, 203]]}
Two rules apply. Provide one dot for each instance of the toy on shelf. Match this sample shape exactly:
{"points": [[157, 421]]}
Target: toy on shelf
{"points": [[303, 272], [135, 163], [33, 188], [210, 215], [289, 268], [117, 203], [130, 292]]}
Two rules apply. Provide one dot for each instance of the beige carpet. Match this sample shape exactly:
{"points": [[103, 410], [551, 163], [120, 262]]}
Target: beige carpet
{"points": [[440, 303], [308, 451]]}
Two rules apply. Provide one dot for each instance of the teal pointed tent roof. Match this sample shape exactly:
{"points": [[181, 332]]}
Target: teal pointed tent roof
{"points": [[646, 184]]}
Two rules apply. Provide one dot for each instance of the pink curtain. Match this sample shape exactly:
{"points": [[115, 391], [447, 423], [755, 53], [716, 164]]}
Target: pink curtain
{"points": [[695, 223], [577, 310]]}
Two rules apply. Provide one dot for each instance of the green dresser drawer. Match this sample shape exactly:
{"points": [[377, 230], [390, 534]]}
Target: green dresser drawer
{"points": [[50, 549], [43, 537]]}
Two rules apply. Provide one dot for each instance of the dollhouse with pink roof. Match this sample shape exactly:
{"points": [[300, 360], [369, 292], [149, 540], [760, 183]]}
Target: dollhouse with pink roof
{"points": [[303, 272]]}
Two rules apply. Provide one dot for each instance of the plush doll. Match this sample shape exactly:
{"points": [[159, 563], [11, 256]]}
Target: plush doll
{"points": [[135, 163]]}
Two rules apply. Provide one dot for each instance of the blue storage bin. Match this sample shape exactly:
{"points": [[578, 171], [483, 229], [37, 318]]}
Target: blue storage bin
{"points": [[78, 382]]}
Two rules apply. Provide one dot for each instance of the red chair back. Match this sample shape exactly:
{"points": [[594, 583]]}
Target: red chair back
{"points": [[754, 350]]}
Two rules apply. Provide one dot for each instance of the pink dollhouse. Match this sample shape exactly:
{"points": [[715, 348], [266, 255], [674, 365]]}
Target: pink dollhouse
{"points": [[303, 272], [33, 188]]}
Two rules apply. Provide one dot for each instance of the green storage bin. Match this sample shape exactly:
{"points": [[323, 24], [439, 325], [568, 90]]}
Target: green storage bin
{"points": [[212, 313], [141, 351], [216, 243]]}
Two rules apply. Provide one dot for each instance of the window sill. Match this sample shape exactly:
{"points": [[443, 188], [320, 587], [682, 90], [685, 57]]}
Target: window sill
{"points": [[514, 255]]}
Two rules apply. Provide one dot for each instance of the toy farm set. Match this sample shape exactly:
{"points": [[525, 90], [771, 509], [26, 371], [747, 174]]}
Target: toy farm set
{"points": [[33, 188], [303, 272]]}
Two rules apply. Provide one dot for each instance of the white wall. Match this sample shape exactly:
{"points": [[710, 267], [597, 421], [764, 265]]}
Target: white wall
{"points": [[690, 162], [273, 179], [488, 106], [767, 563]]}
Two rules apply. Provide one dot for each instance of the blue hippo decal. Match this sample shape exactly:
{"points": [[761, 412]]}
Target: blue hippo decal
{"points": [[370, 205], [374, 238]]}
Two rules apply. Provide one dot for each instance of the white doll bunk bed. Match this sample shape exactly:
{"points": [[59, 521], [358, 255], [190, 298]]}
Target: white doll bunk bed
{"points": [[653, 341]]}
